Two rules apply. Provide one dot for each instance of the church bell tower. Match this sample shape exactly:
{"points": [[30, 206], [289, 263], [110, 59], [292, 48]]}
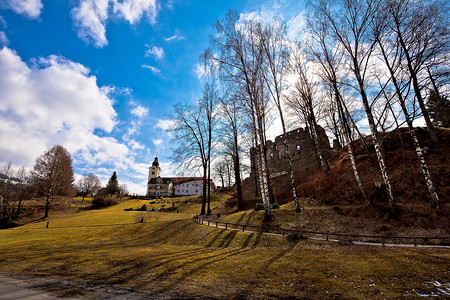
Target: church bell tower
{"points": [[154, 170]]}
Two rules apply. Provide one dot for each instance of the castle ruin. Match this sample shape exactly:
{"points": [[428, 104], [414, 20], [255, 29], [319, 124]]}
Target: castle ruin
{"points": [[301, 148]]}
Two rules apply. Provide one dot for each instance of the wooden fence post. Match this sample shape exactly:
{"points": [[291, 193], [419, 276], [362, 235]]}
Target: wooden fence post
{"points": [[48, 222], [415, 242], [243, 227], [382, 241], [327, 236], [226, 225]]}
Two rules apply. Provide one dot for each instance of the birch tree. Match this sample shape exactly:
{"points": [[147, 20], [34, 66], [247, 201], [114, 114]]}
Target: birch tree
{"points": [[350, 21], [391, 56], [329, 60], [273, 37], [240, 58], [422, 31]]}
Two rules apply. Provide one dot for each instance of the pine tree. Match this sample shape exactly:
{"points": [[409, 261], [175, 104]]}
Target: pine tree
{"points": [[113, 184]]}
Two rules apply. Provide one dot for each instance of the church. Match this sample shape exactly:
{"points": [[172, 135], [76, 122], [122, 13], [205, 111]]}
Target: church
{"points": [[158, 186]]}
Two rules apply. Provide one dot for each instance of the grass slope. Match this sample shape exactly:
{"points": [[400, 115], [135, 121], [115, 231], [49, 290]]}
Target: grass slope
{"points": [[173, 256]]}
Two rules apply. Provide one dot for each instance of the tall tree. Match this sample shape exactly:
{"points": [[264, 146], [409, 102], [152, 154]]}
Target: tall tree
{"points": [[194, 127], [422, 32], [240, 58], [53, 174], [391, 57], [305, 100], [276, 52], [232, 129], [113, 184], [329, 60], [350, 22]]}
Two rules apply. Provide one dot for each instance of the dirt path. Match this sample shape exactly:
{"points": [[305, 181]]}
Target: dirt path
{"points": [[13, 286]]}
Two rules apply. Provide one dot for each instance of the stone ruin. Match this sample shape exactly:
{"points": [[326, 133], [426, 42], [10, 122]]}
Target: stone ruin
{"points": [[301, 148]]}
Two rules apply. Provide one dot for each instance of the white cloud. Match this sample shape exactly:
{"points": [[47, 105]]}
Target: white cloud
{"points": [[157, 142], [29, 8], [3, 39], [90, 16], [139, 111], [201, 70], [157, 52], [165, 124], [136, 145], [153, 69], [174, 37], [55, 101], [134, 10], [295, 26]]}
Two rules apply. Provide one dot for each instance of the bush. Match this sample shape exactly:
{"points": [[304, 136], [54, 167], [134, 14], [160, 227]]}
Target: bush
{"points": [[143, 208], [259, 206], [111, 202], [275, 205], [99, 203]]}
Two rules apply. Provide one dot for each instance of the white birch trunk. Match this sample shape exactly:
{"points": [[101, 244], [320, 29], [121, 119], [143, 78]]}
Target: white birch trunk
{"points": [[426, 173], [380, 158], [291, 172], [355, 171], [262, 172]]}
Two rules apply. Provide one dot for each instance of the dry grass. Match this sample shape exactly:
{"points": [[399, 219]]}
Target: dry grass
{"points": [[174, 256]]}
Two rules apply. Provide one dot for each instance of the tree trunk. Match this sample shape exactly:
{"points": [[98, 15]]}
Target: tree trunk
{"points": [[47, 206], [418, 148], [209, 190], [288, 155], [202, 212], [376, 140], [237, 174], [347, 135], [416, 87]]}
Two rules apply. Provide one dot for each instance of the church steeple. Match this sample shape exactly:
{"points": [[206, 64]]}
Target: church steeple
{"points": [[155, 162], [155, 170]]}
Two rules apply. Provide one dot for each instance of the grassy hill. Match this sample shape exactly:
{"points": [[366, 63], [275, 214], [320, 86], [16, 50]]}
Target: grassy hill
{"points": [[171, 256]]}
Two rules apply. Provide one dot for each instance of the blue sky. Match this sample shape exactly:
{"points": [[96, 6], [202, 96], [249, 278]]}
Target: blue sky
{"points": [[100, 77]]}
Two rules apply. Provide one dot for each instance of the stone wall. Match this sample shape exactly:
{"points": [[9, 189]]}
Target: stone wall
{"points": [[301, 147]]}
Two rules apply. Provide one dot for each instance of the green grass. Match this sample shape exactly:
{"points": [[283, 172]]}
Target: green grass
{"points": [[173, 255]]}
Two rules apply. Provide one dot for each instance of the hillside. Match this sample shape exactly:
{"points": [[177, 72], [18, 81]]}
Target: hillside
{"points": [[333, 202]]}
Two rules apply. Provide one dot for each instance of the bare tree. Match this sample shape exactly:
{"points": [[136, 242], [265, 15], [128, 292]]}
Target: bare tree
{"points": [[276, 52], [193, 134], [422, 31], [329, 60], [391, 55], [123, 189], [89, 184], [240, 58], [306, 101], [350, 22], [232, 129], [53, 174]]}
